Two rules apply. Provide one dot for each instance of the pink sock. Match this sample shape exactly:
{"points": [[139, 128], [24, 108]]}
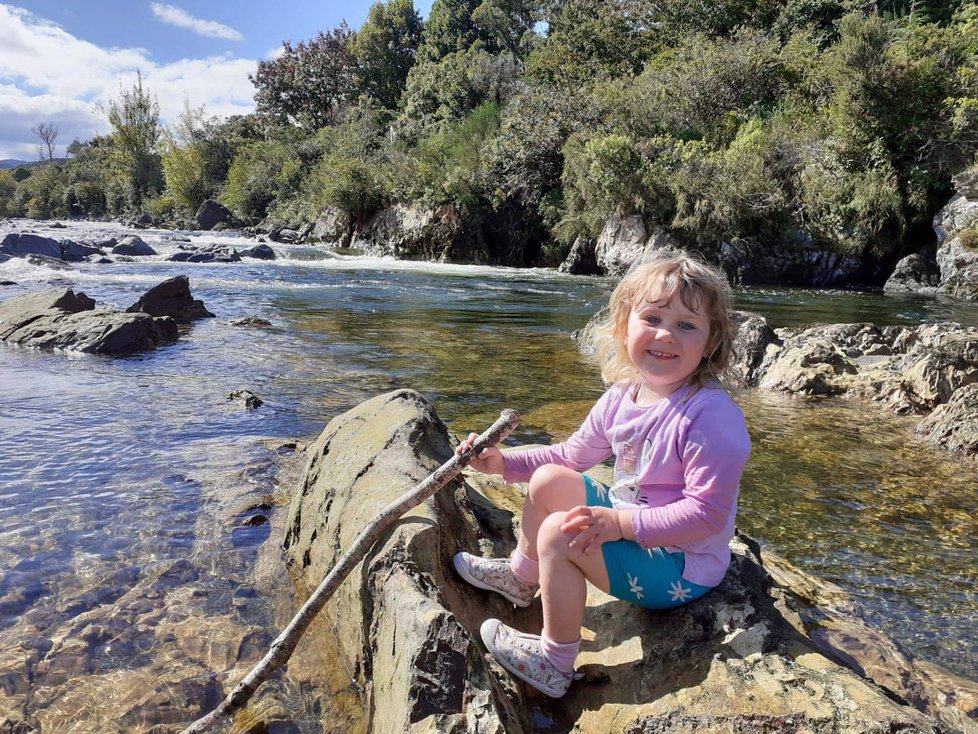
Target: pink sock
{"points": [[561, 655], [524, 568]]}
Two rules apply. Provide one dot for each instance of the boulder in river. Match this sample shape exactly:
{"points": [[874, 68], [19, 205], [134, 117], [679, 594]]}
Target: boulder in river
{"points": [[210, 213], [625, 240], [205, 254], [22, 245], [133, 246], [737, 660], [259, 252], [72, 251], [171, 298], [62, 319], [581, 259], [914, 274], [246, 398]]}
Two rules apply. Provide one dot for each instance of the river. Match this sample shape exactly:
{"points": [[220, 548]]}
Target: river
{"points": [[111, 468]]}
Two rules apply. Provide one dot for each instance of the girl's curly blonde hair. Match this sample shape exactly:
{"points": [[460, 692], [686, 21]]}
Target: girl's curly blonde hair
{"points": [[699, 287]]}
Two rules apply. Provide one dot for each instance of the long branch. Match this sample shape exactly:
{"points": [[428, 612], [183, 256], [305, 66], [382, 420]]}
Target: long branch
{"points": [[283, 645]]}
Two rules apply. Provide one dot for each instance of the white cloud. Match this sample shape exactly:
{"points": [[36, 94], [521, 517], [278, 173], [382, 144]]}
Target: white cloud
{"points": [[180, 18], [46, 74], [274, 53]]}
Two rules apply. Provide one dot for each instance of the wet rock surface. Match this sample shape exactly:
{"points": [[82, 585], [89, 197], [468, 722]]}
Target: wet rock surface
{"points": [[738, 660], [214, 253], [24, 244], [62, 319], [171, 298]]}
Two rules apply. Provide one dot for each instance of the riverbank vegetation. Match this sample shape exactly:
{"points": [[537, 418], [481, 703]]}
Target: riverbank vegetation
{"points": [[752, 120]]}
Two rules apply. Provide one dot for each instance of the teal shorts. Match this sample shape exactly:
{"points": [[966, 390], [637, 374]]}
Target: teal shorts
{"points": [[650, 578]]}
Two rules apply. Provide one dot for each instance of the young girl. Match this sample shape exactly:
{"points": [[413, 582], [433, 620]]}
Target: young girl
{"points": [[658, 536]]}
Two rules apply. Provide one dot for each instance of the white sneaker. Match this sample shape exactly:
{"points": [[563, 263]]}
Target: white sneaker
{"points": [[522, 656], [495, 574]]}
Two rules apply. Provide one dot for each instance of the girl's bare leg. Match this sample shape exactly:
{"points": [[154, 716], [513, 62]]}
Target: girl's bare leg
{"points": [[552, 489], [563, 572]]}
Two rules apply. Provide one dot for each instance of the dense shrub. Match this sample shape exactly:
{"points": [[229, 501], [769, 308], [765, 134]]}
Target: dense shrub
{"points": [[263, 173]]}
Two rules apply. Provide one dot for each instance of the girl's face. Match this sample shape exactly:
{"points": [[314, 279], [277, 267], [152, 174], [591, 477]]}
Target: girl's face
{"points": [[666, 342]]}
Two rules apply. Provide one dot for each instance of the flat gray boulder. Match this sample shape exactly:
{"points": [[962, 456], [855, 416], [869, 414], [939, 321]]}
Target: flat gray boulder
{"points": [[63, 319], [22, 245], [171, 298], [205, 254]]}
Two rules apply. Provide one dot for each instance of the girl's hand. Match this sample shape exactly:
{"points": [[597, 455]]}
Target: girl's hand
{"points": [[592, 526], [490, 461]]}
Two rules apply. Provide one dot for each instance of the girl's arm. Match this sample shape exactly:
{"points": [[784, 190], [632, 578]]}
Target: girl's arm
{"points": [[589, 445]]}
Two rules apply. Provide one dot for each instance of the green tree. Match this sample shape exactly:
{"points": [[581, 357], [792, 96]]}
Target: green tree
{"points": [[384, 50], [7, 188], [136, 129], [310, 83], [589, 40]]}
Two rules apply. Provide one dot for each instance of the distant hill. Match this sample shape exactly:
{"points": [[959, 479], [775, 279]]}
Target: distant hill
{"points": [[14, 163]]}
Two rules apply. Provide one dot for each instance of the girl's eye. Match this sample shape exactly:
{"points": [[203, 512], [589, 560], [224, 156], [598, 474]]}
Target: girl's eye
{"points": [[687, 326], [652, 319]]}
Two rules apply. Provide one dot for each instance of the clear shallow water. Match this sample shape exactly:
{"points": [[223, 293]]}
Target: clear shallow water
{"points": [[110, 469]]}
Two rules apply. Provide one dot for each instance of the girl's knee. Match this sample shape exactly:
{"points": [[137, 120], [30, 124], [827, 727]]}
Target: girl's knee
{"points": [[551, 540], [551, 479]]}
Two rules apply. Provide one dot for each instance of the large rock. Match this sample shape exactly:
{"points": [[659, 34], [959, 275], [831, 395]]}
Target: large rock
{"points": [[914, 274], [581, 259], [213, 253], [912, 368], [750, 345], [171, 298], [409, 648], [22, 245], [796, 260], [61, 319], [737, 660], [332, 226], [259, 252], [625, 240], [414, 233], [72, 251], [954, 425], [133, 246], [210, 213], [958, 263]]}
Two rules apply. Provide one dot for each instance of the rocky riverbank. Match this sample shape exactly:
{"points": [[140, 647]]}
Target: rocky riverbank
{"points": [[741, 659], [929, 370]]}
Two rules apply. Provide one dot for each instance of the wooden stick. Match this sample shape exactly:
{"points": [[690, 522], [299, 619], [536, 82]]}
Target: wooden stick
{"points": [[284, 645]]}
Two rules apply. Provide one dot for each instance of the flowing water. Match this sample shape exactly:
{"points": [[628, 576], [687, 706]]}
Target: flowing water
{"points": [[137, 499]]}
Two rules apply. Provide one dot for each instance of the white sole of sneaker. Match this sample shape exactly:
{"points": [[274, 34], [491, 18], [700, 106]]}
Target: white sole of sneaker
{"points": [[488, 632], [462, 571]]}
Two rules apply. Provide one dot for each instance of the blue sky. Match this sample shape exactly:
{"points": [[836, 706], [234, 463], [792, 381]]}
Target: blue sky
{"points": [[59, 59]]}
